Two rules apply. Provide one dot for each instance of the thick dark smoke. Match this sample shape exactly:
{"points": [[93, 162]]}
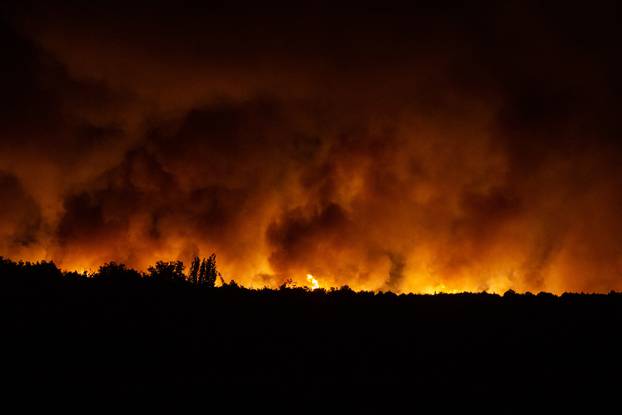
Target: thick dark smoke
{"points": [[438, 147]]}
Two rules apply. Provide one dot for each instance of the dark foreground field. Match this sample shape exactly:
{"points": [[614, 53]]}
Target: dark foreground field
{"points": [[72, 334]]}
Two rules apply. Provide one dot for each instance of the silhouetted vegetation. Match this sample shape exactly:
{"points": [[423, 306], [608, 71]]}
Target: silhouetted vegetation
{"points": [[167, 271], [203, 271], [117, 273], [121, 329]]}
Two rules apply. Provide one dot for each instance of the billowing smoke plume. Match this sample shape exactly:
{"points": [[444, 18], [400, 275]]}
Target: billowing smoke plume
{"points": [[437, 148]]}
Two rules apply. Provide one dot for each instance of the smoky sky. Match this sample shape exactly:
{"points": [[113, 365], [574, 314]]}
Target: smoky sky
{"points": [[438, 146]]}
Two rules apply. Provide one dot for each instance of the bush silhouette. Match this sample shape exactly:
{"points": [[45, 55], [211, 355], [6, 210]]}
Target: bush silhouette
{"points": [[115, 272], [29, 275], [172, 271]]}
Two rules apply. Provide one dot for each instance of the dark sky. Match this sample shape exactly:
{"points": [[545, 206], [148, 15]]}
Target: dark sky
{"points": [[439, 146]]}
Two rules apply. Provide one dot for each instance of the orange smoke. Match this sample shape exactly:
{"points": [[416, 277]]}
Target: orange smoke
{"points": [[410, 152]]}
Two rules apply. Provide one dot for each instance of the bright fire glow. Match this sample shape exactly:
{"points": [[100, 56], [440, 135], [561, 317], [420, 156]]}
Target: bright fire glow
{"points": [[313, 282]]}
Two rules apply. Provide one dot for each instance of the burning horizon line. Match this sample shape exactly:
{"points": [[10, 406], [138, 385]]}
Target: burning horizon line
{"points": [[309, 282]]}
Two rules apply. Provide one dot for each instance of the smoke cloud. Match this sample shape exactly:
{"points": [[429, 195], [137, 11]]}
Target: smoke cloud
{"points": [[437, 148]]}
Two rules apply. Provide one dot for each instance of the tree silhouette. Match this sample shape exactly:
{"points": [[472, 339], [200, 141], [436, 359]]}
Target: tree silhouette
{"points": [[167, 271], [115, 272], [207, 271], [193, 276], [29, 275]]}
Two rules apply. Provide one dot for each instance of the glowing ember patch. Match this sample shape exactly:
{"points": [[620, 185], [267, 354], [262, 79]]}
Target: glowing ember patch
{"points": [[313, 282]]}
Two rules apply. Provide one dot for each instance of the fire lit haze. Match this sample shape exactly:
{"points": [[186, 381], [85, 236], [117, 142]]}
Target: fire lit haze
{"points": [[443, 148]]}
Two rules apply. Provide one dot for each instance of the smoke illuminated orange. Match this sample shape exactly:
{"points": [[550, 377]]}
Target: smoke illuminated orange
{"points": [[453, 160]]}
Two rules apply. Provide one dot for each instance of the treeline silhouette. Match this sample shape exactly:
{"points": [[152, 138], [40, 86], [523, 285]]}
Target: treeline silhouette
{"points": [[167, 329], [43, 274]]}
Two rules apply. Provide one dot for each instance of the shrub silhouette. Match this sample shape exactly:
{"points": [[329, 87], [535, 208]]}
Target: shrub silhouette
{"points": [[172, 271], [115, 272], [29, 275]]}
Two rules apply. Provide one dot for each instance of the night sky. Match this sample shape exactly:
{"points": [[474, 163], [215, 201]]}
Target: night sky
{"points": [[435, 147]]}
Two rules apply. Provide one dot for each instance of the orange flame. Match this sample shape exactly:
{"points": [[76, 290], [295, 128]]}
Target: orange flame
{"points": [[314, 283]]}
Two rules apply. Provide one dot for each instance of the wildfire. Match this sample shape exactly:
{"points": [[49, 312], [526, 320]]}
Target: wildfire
{"points": [[313, 282]]}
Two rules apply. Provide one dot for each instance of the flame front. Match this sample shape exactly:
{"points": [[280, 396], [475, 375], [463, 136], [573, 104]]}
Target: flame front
{"points": [[313, 282]]}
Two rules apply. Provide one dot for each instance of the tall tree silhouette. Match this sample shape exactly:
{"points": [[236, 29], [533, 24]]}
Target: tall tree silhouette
{"points": [[208, 272], [193, 275]]}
